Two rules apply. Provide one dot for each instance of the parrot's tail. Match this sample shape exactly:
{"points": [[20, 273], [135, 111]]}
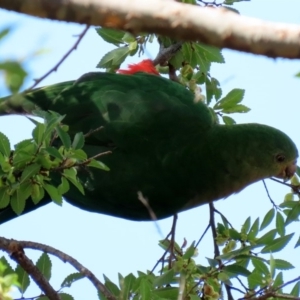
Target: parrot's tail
{"points": [[30, 100]]}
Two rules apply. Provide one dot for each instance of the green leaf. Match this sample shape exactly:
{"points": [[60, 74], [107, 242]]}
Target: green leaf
{"points": [[4, 197], [37, 193], [278, 281], [133, 46], [17, 203], [111, 36], [44, 265], [234, 97], [98, 164], [260, 266], [70, 279], [283, 265], [235, 270], [267, 219], [188, 54], [38, 133], [165, 278], [8, 269], [111, 286], [126, 286], [79, 154], [4, 145], [280, 224], [272, 265], [64, 296], [53, 193], [190, 252], [296, 290], [212, 262], [255, 279], [267, 238], [234, 234], [297, 75], [64, 137], [23, 279], [101, 296], [54, 152], [64, 186], [52, 121], [21, 158], [253, 230], [113, 59], [211, 53], [128, 37], [23, 191], [228, 121], [30, 171], [145, 289], [4, 33], [212, 87], [177, 59], [239, 108], [70, 174], [294, 213], [27, 146], [246, 225], [277, 244], [201, 59], [298, 243], [78, 141], [170, 293], [14, 75]]}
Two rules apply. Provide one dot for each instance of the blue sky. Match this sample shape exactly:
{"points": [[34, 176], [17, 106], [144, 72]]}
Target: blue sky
{"points": [[109, 245]]}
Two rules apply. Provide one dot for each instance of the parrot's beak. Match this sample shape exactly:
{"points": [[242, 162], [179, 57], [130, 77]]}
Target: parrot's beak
{"points": [[288, 171]]}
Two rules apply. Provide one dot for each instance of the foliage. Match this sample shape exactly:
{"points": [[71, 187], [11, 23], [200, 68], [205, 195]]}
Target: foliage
{"points": [[48, 162], [8, 279], [27, 172]]}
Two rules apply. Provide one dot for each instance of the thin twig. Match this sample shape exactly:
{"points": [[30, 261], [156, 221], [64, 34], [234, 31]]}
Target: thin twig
{"points": [[91, 132], [145, 202], [165, 54], [172, 240], [267, 191], [16, 252], [80, 37], [170, 246], [218, 212], [152, 214], [216, 248], [202, 236]]}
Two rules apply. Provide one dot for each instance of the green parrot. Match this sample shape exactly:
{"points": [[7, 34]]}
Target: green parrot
{"points": [[165, 145]]}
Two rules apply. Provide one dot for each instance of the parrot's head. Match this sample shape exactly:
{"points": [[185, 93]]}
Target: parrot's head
{"points": [[281, 153]]}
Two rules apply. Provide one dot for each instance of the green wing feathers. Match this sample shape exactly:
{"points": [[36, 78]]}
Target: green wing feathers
{"points": [[164, 144]]}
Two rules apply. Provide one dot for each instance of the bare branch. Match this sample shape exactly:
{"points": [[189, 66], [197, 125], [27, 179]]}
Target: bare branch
{"points": [[215, 26]]}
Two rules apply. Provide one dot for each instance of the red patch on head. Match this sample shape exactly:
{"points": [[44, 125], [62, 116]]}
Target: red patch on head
{"points": [[145, 66]]}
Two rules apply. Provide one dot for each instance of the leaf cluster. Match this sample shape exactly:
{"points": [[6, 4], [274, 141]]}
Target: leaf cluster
{"points": [[46, 163]]}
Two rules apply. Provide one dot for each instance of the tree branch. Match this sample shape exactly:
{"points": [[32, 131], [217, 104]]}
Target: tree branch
{"points": [[16, 252], [214, 26], [12, 247]]}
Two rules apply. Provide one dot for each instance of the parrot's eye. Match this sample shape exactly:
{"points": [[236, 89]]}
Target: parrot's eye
{"points": [[280, 158]]}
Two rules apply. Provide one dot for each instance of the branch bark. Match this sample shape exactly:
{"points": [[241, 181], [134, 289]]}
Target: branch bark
{"points": [[15, 249], [16, 252], [214, 26]]}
